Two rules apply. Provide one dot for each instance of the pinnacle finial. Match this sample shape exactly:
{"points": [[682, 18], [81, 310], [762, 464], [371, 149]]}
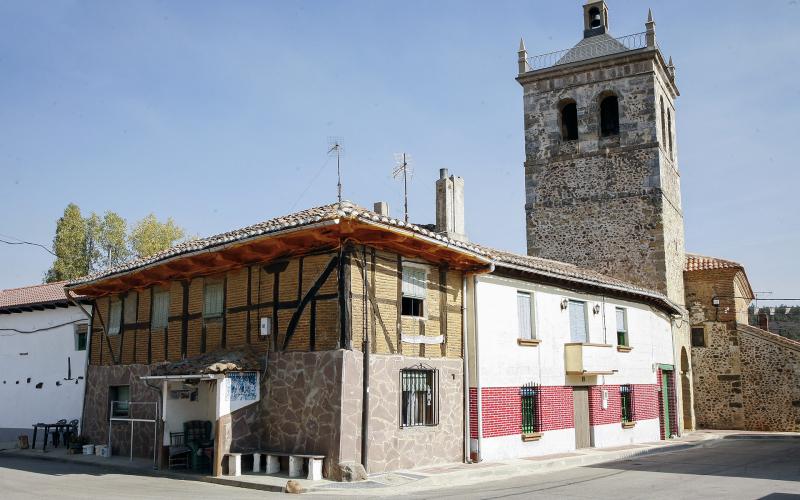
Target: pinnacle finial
{"points": [[521, 44], [649, 15], [670, 61]]}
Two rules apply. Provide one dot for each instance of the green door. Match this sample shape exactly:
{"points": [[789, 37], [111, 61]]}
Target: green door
{"points": [[665, 401]]}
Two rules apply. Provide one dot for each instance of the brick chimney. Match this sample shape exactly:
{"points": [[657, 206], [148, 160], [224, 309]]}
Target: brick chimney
{"points": [[450, 206], [381, 208]]}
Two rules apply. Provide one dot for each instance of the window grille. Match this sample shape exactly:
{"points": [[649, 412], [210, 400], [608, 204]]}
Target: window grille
{"points": [[160, 309], [622, 327], [577, 321], [531, 415], [626, 403], [420, 397]]}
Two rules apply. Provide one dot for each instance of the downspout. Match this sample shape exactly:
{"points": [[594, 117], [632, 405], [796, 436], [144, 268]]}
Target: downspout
{"points": [[73, 300], [478, 385], [465, 355], [365, 383]]}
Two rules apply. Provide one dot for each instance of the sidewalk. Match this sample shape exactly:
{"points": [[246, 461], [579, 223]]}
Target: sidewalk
{"points": [[415, 480]]}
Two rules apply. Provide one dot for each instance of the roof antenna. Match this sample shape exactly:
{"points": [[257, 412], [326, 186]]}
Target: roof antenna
{"points": [[403, 166], [335, 147]]}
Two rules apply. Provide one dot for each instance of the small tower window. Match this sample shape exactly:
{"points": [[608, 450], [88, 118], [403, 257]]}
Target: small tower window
{"points": [[594, 15], [663, 124], [609, 116], [569, 121]]}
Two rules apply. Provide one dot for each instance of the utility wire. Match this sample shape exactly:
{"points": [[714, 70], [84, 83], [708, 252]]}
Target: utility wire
{"points": [[321, 168], [21, 242], [38, 330]]}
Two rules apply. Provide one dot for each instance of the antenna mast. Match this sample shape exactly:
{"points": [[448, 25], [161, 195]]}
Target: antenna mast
{"points": [[335, 147], [403, 166]]}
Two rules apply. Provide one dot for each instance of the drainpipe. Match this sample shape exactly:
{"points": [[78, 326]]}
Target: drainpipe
{"points": [[465, 355], [75, 301], [478, 385], [365, 383]]}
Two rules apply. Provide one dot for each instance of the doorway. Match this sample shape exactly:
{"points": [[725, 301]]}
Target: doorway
{"points": [[580, 398]]}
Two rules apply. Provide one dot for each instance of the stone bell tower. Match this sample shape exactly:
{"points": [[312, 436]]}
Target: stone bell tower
{"points": [[601, 171]]}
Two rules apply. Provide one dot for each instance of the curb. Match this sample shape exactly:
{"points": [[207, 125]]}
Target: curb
{"points": [[146, 472]]}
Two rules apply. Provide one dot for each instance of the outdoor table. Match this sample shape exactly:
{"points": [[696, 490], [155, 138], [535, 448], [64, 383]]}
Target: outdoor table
{"points": [[47, 427]]}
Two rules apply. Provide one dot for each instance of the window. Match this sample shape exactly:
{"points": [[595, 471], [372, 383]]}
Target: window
{"points": [[160, 309], [622, 327], [626, 403], [415, 285], [530, 409], [119, 397], [131, 301], [698, 336], [525, 315], [663, 124], [81, 331], [577, 321], [114, 317], [569, 121], [420, 397], [212, 299], [609, 116], [669, 130]]}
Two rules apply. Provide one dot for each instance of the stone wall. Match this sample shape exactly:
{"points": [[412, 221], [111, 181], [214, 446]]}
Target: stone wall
{"points": [[97, 407], [392, 447]]}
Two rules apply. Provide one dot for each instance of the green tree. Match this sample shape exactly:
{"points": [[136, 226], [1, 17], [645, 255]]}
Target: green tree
{"points": [[92, 244], [150, 236], [113, 240], [69, 245]]}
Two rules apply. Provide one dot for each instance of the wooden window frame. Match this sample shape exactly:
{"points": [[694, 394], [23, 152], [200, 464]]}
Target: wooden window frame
{"points": [[114, 311], [424, 300], [624, 330], [161, 292], [81, 331], [213, 284], [585, 319]]}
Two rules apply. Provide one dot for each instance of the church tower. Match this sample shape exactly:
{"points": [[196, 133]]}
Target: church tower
{"points": [[601, 171]]}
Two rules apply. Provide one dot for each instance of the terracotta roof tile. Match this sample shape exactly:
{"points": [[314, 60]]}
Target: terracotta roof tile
{"points": [[32, 295], [695, 262]]}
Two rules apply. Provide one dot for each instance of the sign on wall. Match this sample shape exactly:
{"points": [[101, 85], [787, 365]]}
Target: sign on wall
{"points": [[243, 386]]}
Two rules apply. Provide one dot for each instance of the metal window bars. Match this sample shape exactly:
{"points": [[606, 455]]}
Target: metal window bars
{"points": [[531, 409], [626, 403], [581, 52], [419, 393], [129, 417]]}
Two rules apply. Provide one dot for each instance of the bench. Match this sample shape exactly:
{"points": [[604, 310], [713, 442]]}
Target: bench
{"points": [[273, 464]]}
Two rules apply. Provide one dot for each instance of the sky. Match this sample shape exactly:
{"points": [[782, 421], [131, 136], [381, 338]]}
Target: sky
{"points": [[218, 114]]}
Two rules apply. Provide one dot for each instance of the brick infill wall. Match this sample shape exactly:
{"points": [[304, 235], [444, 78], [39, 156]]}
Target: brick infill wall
{"points": [[502, 410], [645, 403]]}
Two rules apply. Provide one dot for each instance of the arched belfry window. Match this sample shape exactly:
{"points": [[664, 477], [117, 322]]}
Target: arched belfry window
{"points": [[663, 124], [669, 130], [609, 116], [569, 120]]}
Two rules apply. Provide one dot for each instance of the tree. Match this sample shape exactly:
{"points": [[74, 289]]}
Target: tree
{"points": [[92, 245], [150, 236], [113, 239], [69, 245]]}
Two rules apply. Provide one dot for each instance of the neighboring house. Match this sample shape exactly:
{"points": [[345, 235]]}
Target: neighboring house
{"points": [[744, 377], [262, 331], [565, 358], [43, 342]]}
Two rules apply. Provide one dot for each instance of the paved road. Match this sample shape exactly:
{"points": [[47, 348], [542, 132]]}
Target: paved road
{"points": [[731, 469]]}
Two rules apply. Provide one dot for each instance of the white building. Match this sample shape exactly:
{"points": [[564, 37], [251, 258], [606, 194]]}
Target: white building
{"points": [[564, 358], [43, 342]]}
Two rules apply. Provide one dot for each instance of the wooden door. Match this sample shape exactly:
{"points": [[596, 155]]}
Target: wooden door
{"points": [[580, 397]]}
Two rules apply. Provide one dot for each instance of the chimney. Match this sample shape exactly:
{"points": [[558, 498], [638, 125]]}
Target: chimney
{"points": [[450, 206], [381, 208]]}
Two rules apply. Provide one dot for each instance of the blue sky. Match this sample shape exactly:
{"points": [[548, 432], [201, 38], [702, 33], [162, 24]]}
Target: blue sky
{"points": [[218, 114]]}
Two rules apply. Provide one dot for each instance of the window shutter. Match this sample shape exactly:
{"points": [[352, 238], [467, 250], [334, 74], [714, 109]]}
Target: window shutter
{"points": [[115, 317], [621, 326], [160, 310], [414, 283], [213, 300], [131, 303], [577, 321], [524, 315]]}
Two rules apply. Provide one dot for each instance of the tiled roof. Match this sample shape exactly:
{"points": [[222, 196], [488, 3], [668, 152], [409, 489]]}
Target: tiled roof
{"points": [[300, 219], [347, 209], [47, 293], [571, 272], [595, 46], [696, 262]]}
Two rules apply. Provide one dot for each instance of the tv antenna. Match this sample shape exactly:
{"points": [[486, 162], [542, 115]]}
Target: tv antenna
{"points": [[336, 148], [403, 167]]}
